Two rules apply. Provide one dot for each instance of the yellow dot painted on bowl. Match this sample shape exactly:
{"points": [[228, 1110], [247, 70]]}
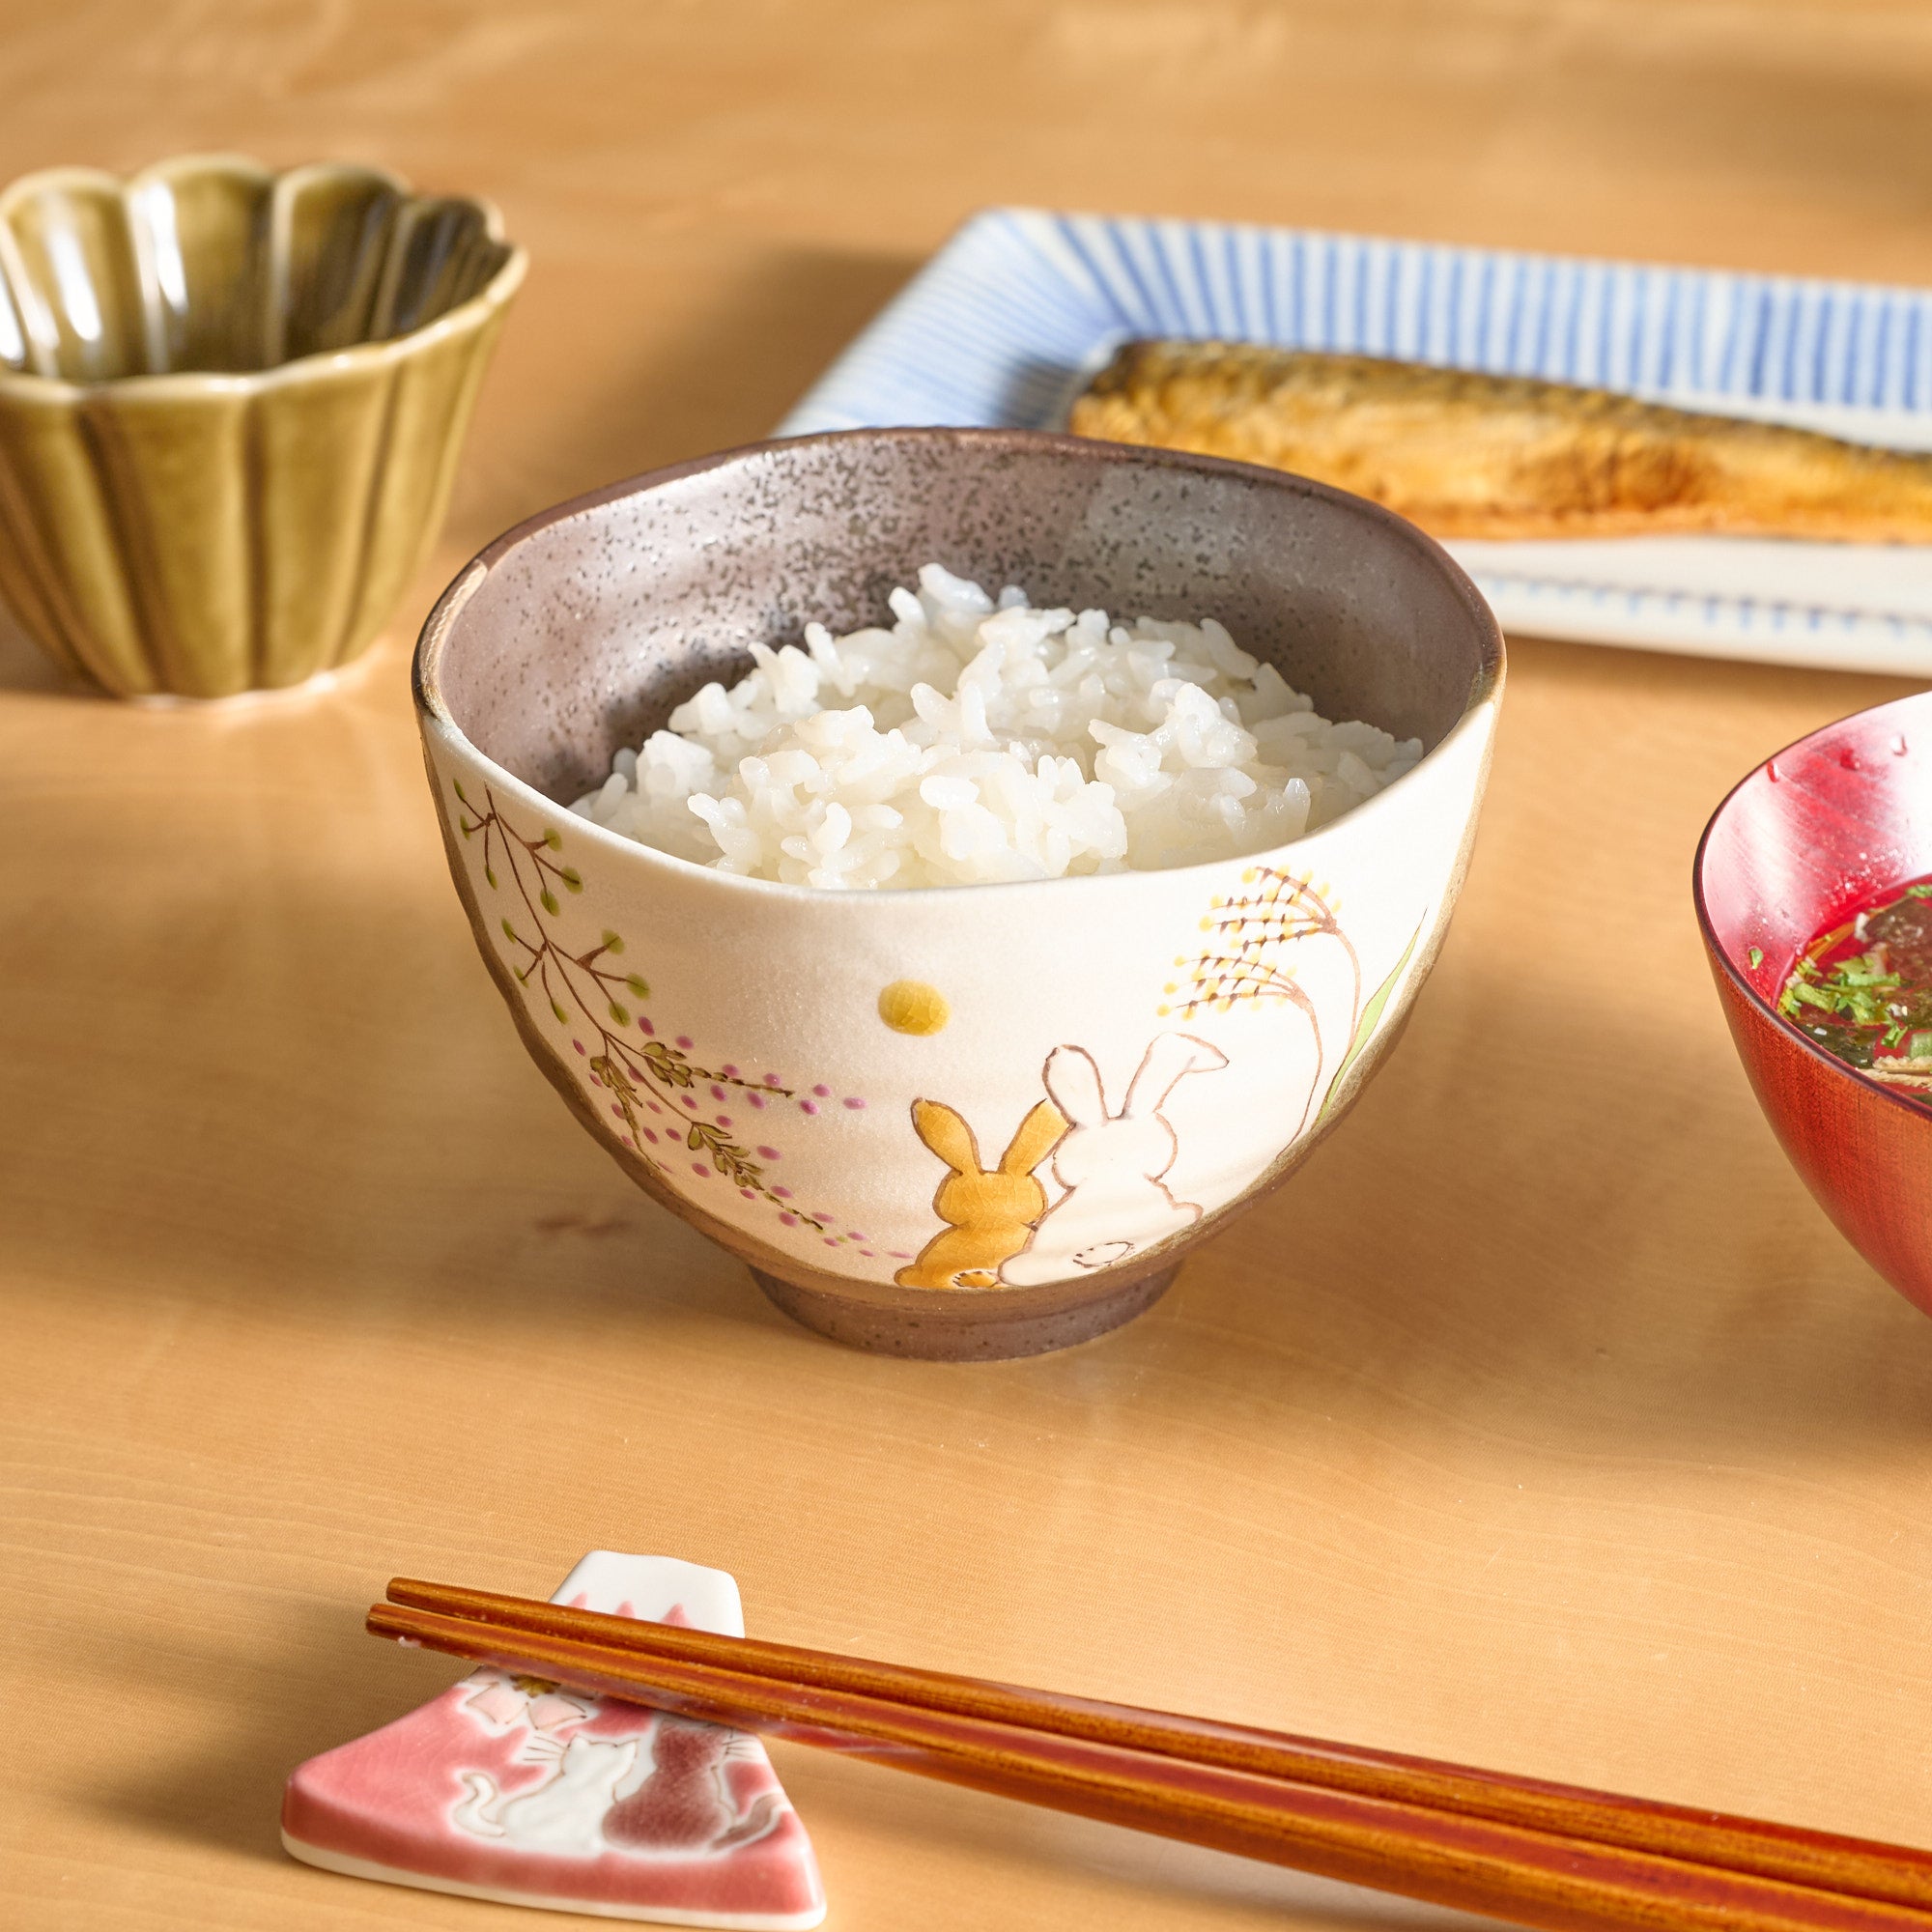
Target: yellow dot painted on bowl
{"points": [[911, 1005]]}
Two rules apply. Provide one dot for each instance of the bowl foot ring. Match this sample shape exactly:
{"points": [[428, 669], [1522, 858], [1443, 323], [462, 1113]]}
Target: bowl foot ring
{"points": [[965, 1327]]}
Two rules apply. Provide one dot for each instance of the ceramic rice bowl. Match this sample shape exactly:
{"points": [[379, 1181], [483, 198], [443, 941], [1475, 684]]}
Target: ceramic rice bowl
{"points": [[850, 1090], [231, 405]]}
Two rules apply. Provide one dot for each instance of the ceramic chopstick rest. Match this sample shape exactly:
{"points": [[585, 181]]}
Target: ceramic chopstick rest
{"points": [[515, 1789]]}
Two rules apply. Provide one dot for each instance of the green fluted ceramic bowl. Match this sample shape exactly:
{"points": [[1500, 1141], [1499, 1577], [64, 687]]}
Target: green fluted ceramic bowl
{"points": [[230, 403]]}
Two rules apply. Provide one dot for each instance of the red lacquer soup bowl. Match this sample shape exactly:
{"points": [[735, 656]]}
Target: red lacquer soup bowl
{"points": [[1801, 844]]}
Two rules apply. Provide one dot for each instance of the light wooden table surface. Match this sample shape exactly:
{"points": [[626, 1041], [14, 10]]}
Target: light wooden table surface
{"points": [[1542, 1421]]}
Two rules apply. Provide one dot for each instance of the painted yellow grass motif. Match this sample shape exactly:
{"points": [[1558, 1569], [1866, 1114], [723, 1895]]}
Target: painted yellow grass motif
{"points": [[1244, 963], [1246, 960]]}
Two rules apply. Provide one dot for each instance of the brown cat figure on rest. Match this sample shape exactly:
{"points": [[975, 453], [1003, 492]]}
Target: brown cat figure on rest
{"points": [[685, 1805]]}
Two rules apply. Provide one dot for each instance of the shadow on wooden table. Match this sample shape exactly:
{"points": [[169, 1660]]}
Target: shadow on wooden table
{"points": [[881, 1833], [326, 1683], [722, 373], [264, 1712], [1538, 1245], [26, 670]]}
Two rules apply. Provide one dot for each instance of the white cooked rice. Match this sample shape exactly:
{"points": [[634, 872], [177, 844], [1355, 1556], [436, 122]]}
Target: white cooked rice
{"points": [[975, 742]]}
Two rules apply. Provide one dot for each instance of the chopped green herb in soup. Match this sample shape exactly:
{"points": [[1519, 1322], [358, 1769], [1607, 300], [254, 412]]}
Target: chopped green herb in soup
{"points": [[1863, 990]]}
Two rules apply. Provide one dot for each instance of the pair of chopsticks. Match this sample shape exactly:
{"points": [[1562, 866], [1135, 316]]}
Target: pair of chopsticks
{"points": [[1543, 1855]]}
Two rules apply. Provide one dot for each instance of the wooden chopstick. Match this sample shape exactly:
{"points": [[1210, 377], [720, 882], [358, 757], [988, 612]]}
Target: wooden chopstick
{"points": [[1791, 1853], [1548, 1878]]}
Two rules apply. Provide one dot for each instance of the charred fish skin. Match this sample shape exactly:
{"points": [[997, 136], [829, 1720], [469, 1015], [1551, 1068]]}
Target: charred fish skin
{"points": [[1466, 454]]}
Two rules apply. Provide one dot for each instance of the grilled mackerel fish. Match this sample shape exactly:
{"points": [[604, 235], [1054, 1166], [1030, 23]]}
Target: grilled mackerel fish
{"points": [[1470, 455]]}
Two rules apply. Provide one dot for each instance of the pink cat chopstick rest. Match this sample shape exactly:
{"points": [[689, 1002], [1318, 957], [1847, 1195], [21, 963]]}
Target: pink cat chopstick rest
{"points": [[516, 1789]]}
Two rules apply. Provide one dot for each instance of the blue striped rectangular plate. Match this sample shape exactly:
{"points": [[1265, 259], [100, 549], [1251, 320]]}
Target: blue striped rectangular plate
{"points": [[1008, 320]]}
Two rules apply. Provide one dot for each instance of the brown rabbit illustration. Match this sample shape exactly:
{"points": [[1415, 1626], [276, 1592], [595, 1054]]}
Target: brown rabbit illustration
{"points": [[989, 1217]]}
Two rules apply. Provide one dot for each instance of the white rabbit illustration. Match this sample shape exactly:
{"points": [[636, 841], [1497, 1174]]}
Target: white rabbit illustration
{"points": [[1111, 1164], [565, 1812]]}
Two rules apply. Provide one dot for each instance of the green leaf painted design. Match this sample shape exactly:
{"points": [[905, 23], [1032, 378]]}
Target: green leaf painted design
{"points": [[1365, 1028], [666, 1062], [637, 985], [612, 943]]}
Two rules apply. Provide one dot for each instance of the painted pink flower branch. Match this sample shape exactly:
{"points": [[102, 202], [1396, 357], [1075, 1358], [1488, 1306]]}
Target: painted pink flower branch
{"points": [[591, 989]]}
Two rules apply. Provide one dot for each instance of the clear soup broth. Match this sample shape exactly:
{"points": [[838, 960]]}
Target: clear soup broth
{"points": [[1863, 990]]}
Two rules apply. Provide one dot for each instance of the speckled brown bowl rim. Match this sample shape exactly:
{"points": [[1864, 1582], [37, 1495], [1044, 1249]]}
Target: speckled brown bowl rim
{"points": [[178, 384], [1486, 686]]}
